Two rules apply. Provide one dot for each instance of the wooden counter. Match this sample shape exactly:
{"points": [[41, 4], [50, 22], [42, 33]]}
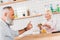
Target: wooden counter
{"points": [[55, 36]]}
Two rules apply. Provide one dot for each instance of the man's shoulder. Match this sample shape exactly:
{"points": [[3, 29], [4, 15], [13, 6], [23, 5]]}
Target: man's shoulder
{"points": [[1, 23]]}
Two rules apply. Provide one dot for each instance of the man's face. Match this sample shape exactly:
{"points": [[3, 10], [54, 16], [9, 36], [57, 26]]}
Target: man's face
{"points": [[11, 16]]}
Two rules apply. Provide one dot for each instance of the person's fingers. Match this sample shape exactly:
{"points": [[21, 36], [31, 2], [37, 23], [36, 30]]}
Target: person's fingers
{"points": [[29, 22]]}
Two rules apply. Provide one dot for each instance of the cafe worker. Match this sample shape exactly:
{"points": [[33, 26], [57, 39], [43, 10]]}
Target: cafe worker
{"points": [[6, 19]]}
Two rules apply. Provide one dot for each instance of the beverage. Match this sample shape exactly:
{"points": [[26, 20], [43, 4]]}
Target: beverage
{"points": [[51, 7], [58, 8], [43, 31], [28, 13]]}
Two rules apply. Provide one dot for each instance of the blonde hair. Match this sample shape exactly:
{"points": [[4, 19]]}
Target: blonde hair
{"points": [[48, 12]]}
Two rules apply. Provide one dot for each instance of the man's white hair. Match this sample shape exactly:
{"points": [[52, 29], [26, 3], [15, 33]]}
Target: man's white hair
{"points": [[4, 10]]}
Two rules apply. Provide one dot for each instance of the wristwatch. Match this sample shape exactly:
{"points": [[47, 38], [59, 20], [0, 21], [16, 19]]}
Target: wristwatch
{"points": [[25, 29]]}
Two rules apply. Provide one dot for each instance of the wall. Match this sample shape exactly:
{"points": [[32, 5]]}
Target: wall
{"points": [[35, 6]]}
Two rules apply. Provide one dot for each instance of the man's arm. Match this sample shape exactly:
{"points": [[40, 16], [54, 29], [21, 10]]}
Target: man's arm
{"points": [[21, 31], [29, 26]]}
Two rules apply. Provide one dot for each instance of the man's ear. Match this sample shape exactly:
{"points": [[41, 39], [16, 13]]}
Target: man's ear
{"points": [[5, 14]]}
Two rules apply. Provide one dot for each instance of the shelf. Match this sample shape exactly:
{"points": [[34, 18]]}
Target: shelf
{"points": [[11, 2], [28, 17]]}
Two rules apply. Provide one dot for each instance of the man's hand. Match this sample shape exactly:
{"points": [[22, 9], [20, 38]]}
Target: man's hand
{"points": [[29, 26]]}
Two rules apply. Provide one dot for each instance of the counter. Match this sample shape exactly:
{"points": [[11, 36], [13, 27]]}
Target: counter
{"points": [[54, 36]]}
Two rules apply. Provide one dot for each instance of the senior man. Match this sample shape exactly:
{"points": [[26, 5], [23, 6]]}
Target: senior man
{"points": [[6, 20]]}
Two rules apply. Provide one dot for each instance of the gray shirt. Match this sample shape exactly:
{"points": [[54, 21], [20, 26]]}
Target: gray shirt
{"points": [[5, 32]]}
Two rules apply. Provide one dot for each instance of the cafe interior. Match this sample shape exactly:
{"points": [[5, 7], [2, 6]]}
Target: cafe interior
{"points": [[44, 16]]}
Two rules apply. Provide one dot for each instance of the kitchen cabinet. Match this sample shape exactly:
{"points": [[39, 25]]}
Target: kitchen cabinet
{"points": [[10, 2]]}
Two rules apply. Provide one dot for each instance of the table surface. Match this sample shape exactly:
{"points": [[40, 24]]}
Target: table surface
{"points": [[54, 36]]}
